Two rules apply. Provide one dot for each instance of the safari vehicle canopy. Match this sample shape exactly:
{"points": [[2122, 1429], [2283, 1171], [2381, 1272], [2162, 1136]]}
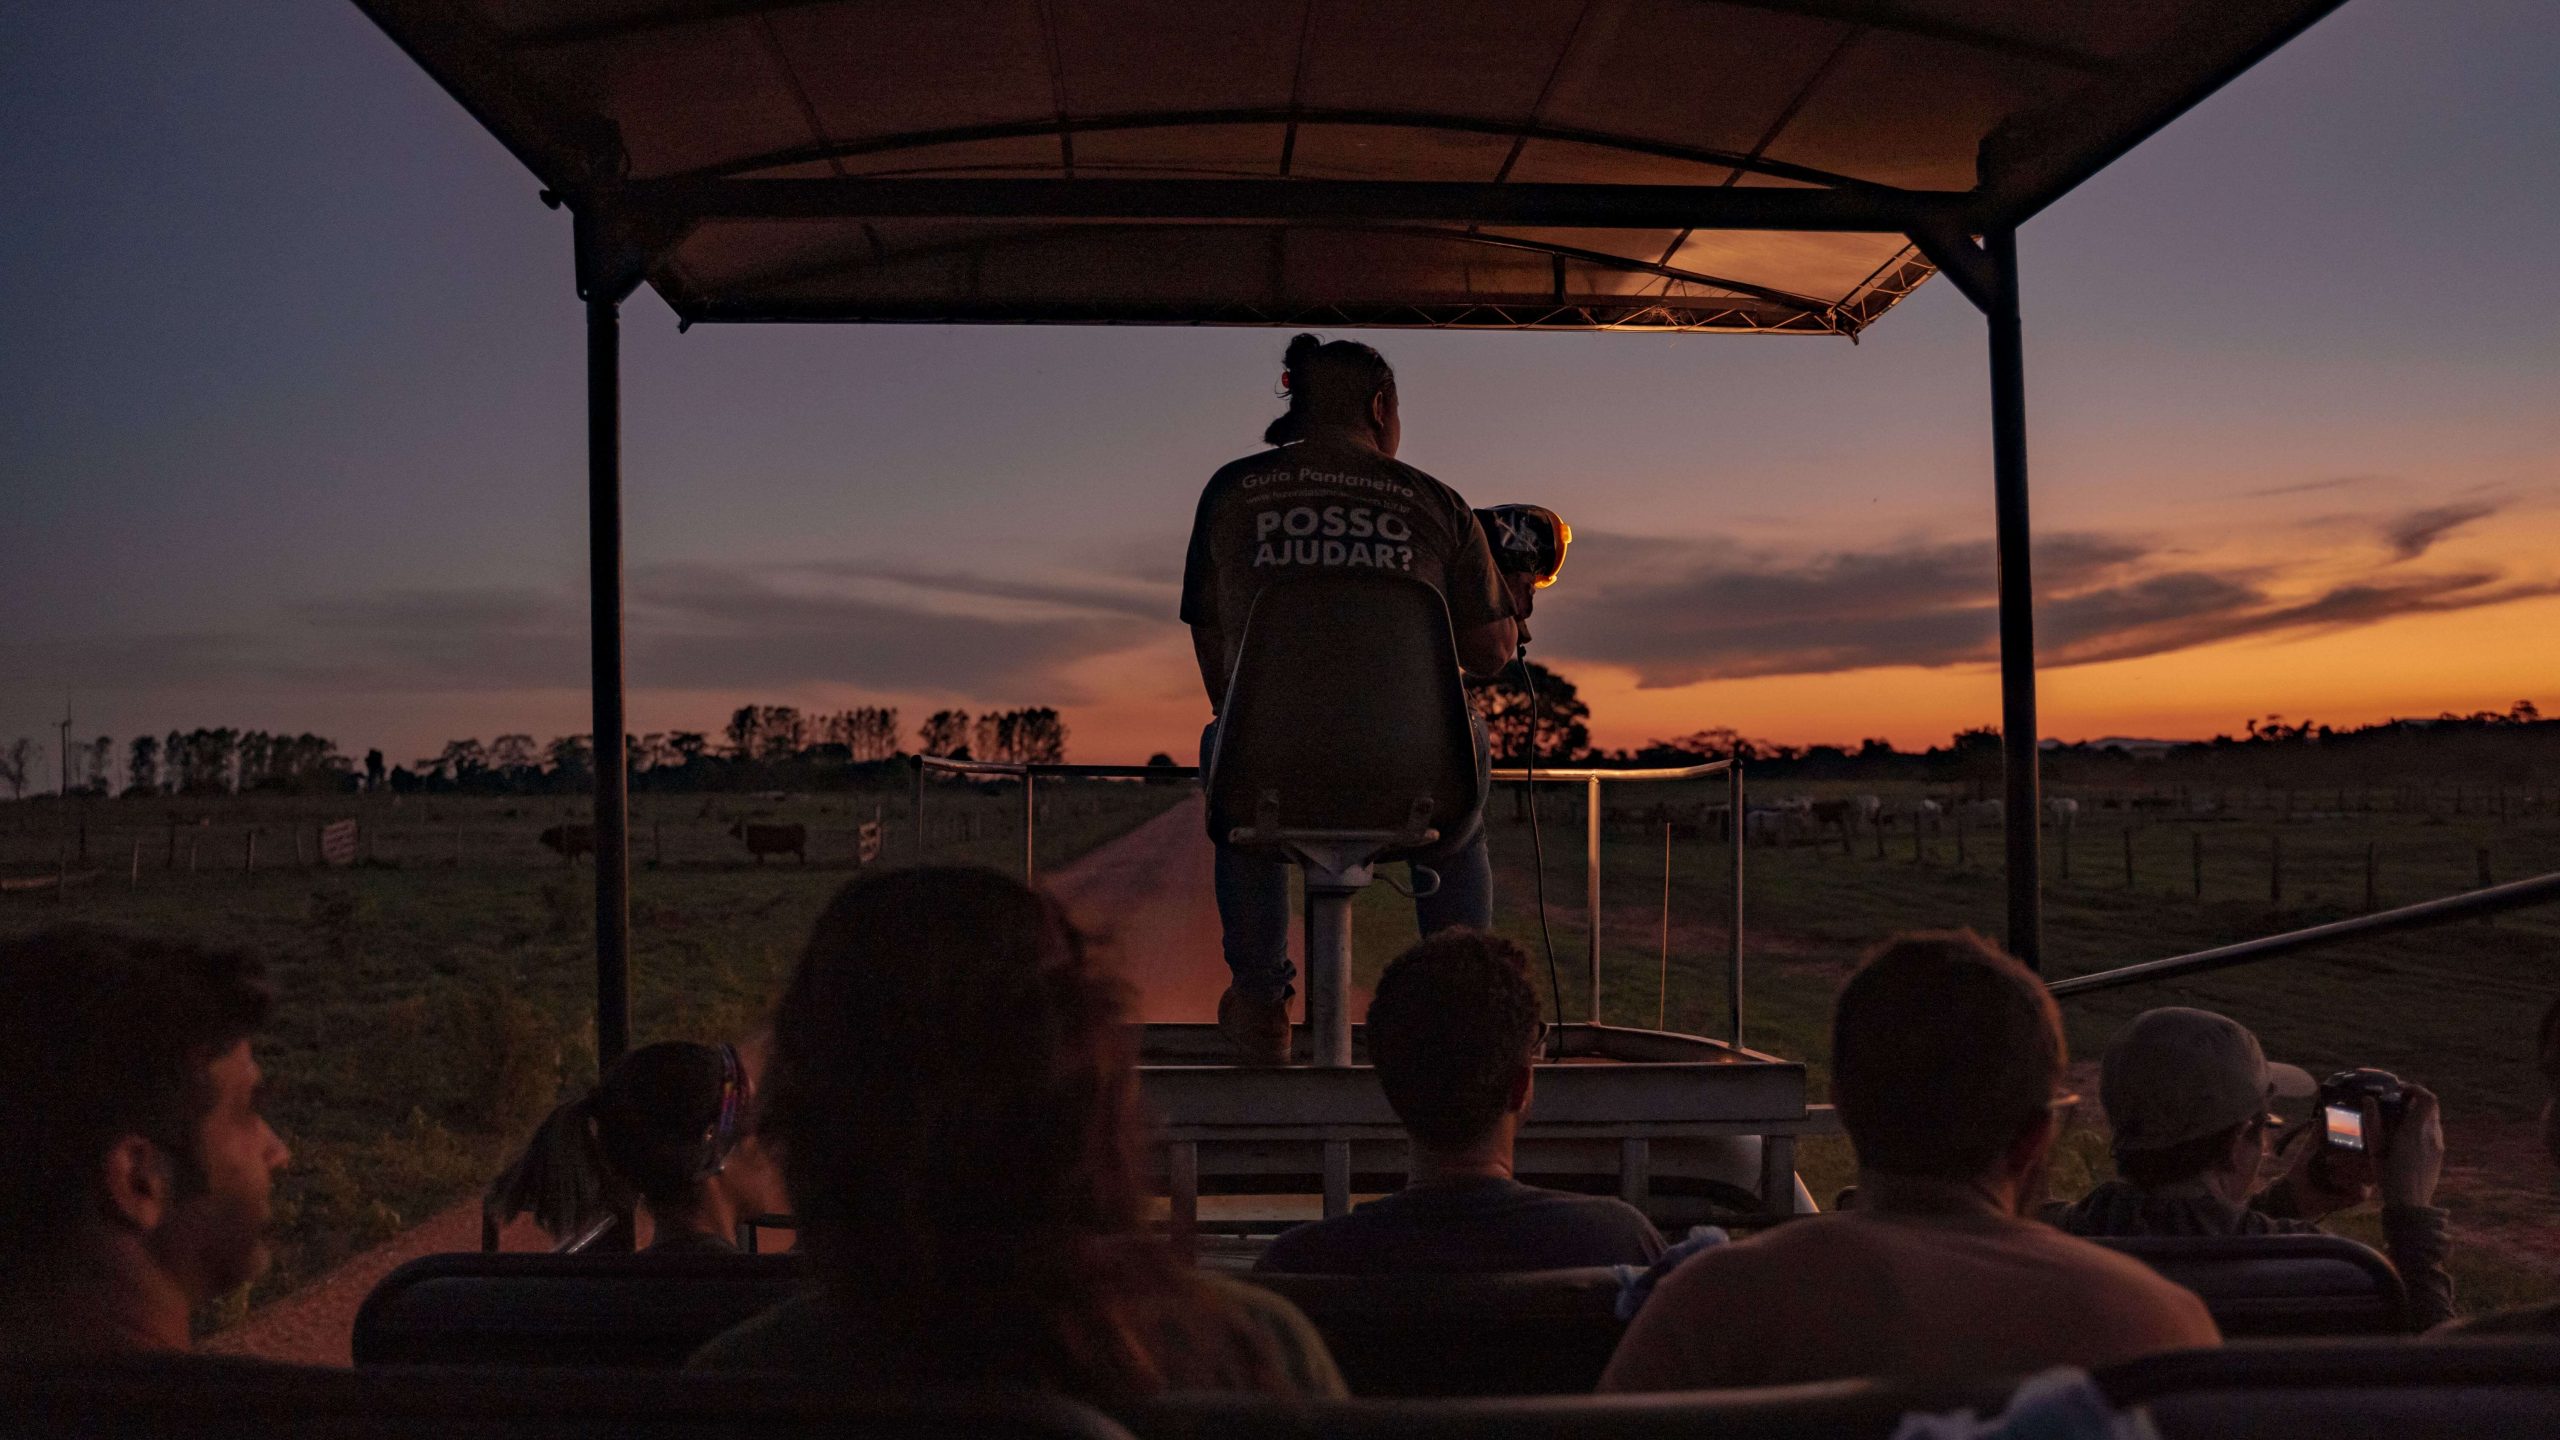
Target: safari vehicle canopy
{"points": [[1761, 166]]}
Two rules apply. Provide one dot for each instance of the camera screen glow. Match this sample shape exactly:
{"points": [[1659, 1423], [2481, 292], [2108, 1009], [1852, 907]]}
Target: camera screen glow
{"points": [[2346, 1126]]}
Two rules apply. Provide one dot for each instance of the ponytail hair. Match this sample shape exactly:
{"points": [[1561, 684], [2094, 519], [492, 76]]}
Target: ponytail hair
{"points": [[662, 1119], [1326, 380]]}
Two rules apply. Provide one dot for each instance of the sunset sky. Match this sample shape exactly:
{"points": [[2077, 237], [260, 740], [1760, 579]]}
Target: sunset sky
{"points": [[291, 436]]}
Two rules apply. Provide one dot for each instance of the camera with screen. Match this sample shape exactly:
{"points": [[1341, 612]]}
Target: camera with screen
{"points": [[2342, 1102]]}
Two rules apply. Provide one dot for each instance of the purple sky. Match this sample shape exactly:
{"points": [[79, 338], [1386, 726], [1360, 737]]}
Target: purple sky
{"points": [[290, 435]]}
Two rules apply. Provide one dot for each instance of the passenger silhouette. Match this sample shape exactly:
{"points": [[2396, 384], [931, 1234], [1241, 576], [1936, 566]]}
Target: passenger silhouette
{"points": [[1453, 1032], [139, 1168], [1332, 499], [953, 1094], [670, 1127]]}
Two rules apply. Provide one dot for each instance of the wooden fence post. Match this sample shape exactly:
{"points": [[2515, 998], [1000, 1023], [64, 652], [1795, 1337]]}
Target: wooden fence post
{"points": [[2062, 843], [2275, 869], [2372, 876], [2128, 857], [2195, 847], [173, 842], [135, 881], [249, 855], [1959, 839]]}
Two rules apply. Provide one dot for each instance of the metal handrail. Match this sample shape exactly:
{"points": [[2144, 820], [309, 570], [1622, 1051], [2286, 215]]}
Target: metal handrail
{"points": [[1030, 774], [2514, 895]]}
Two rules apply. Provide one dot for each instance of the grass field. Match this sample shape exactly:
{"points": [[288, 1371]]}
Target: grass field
{"points": [[436, 998], [2453, 1007], [432, 1008]]}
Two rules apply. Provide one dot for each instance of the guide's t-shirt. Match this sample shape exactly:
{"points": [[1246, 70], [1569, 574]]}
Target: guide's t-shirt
{"points": [[1331, 503]]}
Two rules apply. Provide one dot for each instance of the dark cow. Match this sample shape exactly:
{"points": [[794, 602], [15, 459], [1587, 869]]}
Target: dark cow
{"points": [[763, 840], [570, 841]]}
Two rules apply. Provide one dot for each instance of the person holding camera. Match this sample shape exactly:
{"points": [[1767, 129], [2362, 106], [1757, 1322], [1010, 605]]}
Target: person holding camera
{"points": [[1330, 498], [2187, 1093]]}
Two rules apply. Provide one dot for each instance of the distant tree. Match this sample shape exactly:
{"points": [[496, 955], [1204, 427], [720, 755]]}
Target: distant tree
{"points": [[1563, 719], [745, 731], [373, 776], [206, 760], [1161, 761], [573, 761], [463, 764], [944, 732], [688, 746], [650, 751], [15, 762], [253, 760], [142, 765], [991, 738], [873, 734], [1040, 737], [516, 759], [782, 732]]}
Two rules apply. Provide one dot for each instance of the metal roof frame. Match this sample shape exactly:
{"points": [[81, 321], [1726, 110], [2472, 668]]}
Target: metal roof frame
{"points": [[626, 228]]}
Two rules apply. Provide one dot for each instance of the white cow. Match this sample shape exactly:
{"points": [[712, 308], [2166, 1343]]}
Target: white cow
{"points": [[2061, 810]]}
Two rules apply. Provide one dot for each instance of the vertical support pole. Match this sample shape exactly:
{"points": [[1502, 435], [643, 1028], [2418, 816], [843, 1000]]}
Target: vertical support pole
{"points": [[1337, 1178], [919, 811], [1635, 1171], [2018, 732], [1328, 976], [1662, 990], [604, 601], [1591, 884], [1778, 1174], [1030, 827], [1182, 1193], [1733, 963]]}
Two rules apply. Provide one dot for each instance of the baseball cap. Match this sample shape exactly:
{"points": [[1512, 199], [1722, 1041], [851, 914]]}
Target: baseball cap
{"points": [[2177, 1074]]}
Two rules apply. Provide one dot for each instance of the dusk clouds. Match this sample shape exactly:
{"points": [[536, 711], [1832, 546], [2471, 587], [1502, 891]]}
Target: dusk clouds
{"points": [[1678, 612]]}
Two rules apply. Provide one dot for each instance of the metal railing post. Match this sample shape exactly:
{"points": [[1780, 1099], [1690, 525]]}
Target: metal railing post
{"points": [[1591, 886], [1733, 966], [919, 809], [1030, 827], [604, 599]]}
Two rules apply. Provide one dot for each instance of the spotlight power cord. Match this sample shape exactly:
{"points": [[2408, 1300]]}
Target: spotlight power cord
{"points": [[1538, 848]]}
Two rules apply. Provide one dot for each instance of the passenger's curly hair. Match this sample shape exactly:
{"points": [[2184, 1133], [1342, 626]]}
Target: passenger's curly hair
{"points": [[1452, 1024], [953, 1095]]}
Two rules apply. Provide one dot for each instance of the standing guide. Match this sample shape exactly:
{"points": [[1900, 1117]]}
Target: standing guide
{"points": [[1332, 497]]}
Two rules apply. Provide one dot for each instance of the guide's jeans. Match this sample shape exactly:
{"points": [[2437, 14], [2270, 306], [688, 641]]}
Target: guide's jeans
{"points": [[1253, 890]]}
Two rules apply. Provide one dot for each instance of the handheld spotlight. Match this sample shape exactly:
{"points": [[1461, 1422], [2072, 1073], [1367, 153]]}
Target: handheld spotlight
{"points": [[1527, 540]]}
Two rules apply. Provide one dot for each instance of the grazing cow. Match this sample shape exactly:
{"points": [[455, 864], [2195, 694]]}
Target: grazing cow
{"points": [[1982, 812], [1837, 815], [2061, 810], [763, 840], [570, 841], [1869, 808]]}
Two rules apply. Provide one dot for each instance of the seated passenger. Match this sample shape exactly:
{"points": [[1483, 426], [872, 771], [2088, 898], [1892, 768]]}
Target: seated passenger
{"points": [[139, 1168], [953, 1098], [2187, 1094], [2544, 1318], [669, 1127], [1453, 1031], [1945, 1055]]}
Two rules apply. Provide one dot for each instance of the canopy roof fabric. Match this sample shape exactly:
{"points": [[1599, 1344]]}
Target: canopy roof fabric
{"points": [[1748, 165]]}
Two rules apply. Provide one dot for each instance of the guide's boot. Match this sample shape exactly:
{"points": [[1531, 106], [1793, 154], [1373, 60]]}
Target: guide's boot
{"points": [[1258, 1029]]}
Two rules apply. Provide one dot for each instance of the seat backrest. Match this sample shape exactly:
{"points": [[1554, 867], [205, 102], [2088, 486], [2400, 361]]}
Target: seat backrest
{"points": [[2365, 1389], [566, 1311], [2280, 1285], [187, 1398], [1545, 1332], [1834, 1410], [1347, 705]]}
